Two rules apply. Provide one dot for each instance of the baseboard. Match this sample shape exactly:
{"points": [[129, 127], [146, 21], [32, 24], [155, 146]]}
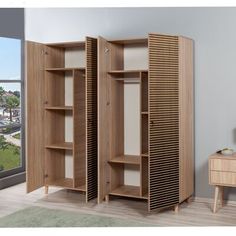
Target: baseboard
{"points": [[211, 201], [12, 180]]}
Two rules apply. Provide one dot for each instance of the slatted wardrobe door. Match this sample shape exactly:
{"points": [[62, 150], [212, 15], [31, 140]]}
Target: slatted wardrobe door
{"points": [[163, 121], [91, 119]]}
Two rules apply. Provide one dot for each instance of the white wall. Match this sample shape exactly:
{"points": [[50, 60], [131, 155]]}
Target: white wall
{"points": [[213, 30]]}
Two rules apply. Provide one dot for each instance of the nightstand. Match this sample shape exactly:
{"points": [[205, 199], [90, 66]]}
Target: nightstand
{"points": [[222, 173]]}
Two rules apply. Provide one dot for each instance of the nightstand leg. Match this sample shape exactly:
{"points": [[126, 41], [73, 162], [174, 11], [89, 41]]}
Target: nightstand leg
{"points": [[221, 196], [216, 198]]}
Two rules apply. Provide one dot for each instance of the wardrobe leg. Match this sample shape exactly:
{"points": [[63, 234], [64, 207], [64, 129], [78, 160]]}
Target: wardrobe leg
{"points": [[189, 200], [176, 208], [107, 198], [46, 189]]}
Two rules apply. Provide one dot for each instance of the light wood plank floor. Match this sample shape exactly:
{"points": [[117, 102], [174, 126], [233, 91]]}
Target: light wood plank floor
{"points": [[194, 214]]}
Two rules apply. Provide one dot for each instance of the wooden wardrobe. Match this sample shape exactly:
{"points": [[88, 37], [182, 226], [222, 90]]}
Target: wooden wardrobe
{"points": [[145, 120], [61, 122]]}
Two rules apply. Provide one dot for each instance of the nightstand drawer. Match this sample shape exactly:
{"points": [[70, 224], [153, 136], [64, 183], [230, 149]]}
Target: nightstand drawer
{"points": [[223, 165], [223, 178]]}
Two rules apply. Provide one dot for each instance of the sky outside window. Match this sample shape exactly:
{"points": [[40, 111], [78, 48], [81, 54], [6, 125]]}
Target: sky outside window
{"points": [[10, 61]]}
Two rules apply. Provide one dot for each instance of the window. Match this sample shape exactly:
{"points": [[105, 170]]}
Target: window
{"points": [[11, 100]]}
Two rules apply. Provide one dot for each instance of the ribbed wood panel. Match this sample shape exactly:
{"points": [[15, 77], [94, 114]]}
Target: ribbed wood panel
{"points": [[144, 176], [144, 92], [163, 121], [144, 133], [91, 117]]}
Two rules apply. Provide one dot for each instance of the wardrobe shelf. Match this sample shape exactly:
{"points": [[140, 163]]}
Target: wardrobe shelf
{"points": [[126, 159], [144, 112], [145, 155], [77, 44], [126, 73], [63, 182], [80, 188], [128, 191], [63, 69], [62, 145], [67, 183], [65, 108]]}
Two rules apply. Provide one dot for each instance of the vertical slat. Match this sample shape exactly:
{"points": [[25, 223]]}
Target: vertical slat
{"points": [[163, 121], [34, 115], [91, 117]]}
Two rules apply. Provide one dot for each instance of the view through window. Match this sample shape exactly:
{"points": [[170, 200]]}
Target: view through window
{"points": [[10, 104]]}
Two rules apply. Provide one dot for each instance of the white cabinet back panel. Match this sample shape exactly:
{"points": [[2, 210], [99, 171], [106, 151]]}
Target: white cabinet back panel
{"points": [[73, 58], [134, 58]]}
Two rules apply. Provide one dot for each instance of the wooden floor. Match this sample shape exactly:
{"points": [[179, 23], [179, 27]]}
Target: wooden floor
{"points": [[194, 214]]}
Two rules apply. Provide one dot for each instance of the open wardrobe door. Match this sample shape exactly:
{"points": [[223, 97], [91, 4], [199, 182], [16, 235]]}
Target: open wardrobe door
{"points": [[34, 115]]}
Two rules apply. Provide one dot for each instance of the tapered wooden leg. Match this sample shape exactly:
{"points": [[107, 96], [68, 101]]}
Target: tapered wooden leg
{"points": [[217, 188], [221, 196], [176, 208], [46, 189], [107, 198], [189, 200]]}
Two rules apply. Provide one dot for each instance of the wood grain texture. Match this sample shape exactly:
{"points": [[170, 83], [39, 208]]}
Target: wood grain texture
{"points": [[34, 115], [116, 115], [126, 159], [186, 119], [141, 41], [163, 121], [219, 162], [222, 173], [63, 69], [116, 98], [223, 178], [54, 128], [54, 81], [79, 132], [91, 119], [64, 146], [103, 120], [54, 165], [127, 191], [76, 44], [69, 108], [144, 92], [126, 74], [116, 176], [144, 134], [144, 176], [110, 57], [223, 164], [217, 189], [54, 57]]}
